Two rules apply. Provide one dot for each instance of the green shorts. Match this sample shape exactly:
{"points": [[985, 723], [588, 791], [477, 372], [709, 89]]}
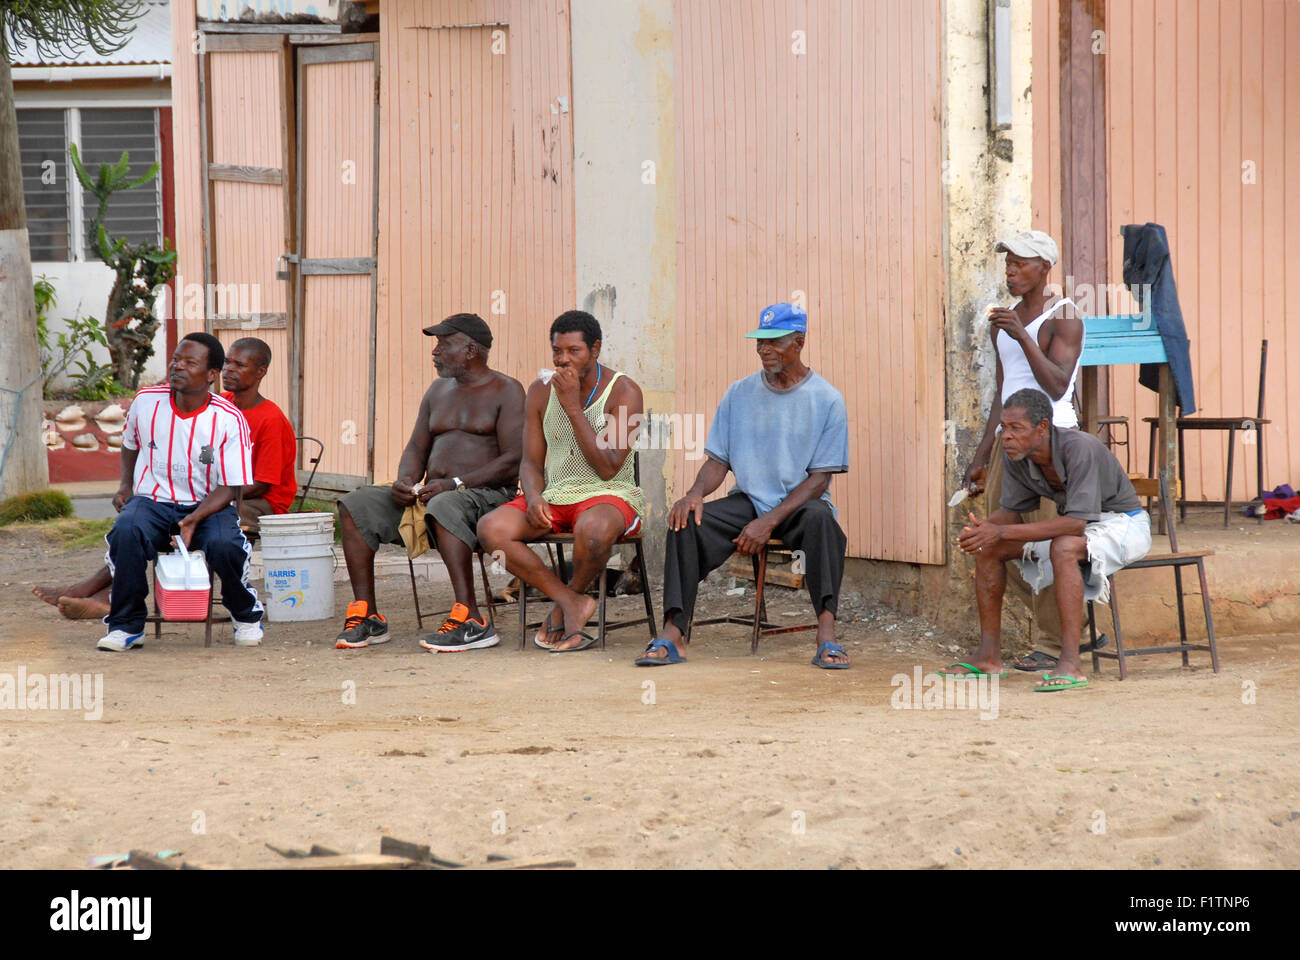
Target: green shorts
{"points": [[458, 512]]}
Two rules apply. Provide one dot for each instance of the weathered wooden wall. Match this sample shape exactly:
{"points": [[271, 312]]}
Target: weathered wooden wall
{"points": [[820, 172]]}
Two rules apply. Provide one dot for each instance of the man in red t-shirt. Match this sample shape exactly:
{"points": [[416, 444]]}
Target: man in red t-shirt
{"points": [[275, 450]]}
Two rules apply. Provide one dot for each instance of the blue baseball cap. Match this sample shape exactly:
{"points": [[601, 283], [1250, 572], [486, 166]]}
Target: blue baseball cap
{"points": [[778, 320]]}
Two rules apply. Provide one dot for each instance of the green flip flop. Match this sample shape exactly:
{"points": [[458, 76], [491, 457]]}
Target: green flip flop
{"points": [[970, 671], [1044, 688]]}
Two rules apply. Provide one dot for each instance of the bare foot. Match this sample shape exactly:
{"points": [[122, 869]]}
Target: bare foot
{"points": [[575, 619], [50, 594], [549, 634], [83, 608]]}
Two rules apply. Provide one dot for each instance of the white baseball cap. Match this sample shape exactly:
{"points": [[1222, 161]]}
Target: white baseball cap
{"points": [[1031, 243]]}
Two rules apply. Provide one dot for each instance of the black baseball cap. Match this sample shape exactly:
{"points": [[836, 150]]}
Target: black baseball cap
{"points": [[470, 324]]}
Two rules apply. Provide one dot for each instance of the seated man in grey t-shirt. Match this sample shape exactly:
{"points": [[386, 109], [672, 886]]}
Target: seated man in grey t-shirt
{"points": [[782, 432], [1100, 528]]}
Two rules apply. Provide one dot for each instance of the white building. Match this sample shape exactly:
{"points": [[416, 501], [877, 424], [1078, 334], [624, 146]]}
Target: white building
{"points": [[104, 105]]}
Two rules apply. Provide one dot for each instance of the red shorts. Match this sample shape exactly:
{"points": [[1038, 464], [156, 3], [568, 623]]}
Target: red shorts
{"points": [[564, 515]]}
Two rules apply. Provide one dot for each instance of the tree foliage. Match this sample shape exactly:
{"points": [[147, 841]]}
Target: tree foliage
{"points": [[140, 268], [60, 28]]}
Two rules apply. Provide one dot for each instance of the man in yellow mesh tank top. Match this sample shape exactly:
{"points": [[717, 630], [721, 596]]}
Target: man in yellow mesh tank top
{"points": [[576, 475]]}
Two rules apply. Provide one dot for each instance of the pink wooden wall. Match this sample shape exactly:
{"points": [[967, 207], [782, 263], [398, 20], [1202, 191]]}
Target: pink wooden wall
{"points": [[1196, 89], [248, 219], [820, 173], [338, 220], [187, 172], [476, 190]]}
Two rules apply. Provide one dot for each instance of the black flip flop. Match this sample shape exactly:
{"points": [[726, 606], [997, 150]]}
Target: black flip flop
{"points": [[1037, 661], [1045, 661], [549, 630], [587, 641]]}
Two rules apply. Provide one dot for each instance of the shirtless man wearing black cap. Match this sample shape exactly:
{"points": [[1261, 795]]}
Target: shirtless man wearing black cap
{"points": [[461, 462]]}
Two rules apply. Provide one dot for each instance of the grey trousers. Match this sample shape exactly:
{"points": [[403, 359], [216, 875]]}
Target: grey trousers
{"points": [[693, 552]]}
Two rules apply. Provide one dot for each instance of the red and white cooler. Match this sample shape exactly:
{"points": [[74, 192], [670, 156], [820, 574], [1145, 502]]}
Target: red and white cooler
{"points": [[183, 584]]}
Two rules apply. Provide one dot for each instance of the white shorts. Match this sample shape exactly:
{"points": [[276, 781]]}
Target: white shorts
{"points": [[1114, 541]]}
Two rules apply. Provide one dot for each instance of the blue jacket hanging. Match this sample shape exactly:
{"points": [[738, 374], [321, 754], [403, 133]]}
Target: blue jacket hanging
{"points": [[1147, 269]]}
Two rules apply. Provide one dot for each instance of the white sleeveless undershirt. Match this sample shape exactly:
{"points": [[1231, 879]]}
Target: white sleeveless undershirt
{"points": [[1017, 374]]}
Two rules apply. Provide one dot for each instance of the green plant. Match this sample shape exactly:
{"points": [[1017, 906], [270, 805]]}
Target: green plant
{"points": [[42, 505], [71, 348], [140, 268], [98, 383]]}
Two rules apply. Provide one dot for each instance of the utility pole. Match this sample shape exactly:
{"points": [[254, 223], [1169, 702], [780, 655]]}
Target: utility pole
{"points": [[23, 463]]}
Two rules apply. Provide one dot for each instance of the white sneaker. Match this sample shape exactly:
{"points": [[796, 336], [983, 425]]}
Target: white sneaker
{"points": [[119, 640], [248, 634]]}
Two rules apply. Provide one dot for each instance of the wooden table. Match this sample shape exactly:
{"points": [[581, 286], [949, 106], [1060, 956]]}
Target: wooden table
{"points": [[1123, 339]]}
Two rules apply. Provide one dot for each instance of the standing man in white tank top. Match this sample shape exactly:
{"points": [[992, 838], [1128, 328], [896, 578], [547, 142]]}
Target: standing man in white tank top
{"points": [[1038, 343]]}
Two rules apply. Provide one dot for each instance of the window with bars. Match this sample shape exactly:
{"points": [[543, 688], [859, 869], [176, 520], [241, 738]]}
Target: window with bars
{"points": [[59, 209]]}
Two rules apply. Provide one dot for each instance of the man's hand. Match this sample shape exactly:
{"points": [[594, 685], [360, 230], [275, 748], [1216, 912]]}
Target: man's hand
{"points": [[403, 493], [539, 513], [188, 524], [681, 512], [121, 497], [1006, 320], [975, 476], [435, 487], [979, 535], [567, 386], [756, 533]]}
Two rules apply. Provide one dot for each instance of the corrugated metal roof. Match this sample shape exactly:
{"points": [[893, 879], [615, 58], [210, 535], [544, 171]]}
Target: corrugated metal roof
{"points": [[150, 42]]}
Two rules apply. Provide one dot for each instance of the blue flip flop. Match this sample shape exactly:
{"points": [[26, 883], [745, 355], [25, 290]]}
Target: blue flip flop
{"points": [[659, 643], [829, 647]]}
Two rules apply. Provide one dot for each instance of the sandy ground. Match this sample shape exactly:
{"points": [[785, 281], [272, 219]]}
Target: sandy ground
{"points": [[727, 761]]}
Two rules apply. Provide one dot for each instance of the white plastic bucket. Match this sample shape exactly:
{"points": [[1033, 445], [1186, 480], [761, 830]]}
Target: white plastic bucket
{"points": [[298, 560]]}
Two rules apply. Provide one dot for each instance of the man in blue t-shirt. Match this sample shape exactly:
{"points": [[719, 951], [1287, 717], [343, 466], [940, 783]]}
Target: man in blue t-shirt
{"points": [[782, 432]]}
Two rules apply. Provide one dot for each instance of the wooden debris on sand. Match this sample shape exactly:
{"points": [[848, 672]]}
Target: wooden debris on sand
{"points": [[393, 855]]}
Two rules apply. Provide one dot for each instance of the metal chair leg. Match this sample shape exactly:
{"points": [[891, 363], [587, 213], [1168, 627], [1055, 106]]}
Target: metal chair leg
{"points": [[157, 624], [1092, 633], [1119, 633], [760, 607], [1151, 453], [415, 595], [1181, 494], [1182, 616], [600, 608], [645, 590], [487, 591], [207, 622], [1259, 469], [523, 613], [1227, 495], [1209, 617]]}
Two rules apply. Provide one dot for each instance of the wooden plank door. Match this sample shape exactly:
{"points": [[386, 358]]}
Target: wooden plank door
{"points": [[336, 220], [246, 139]]}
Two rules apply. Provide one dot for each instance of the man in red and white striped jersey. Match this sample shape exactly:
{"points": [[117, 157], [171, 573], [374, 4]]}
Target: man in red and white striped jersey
{"points": [[183, 451]]}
